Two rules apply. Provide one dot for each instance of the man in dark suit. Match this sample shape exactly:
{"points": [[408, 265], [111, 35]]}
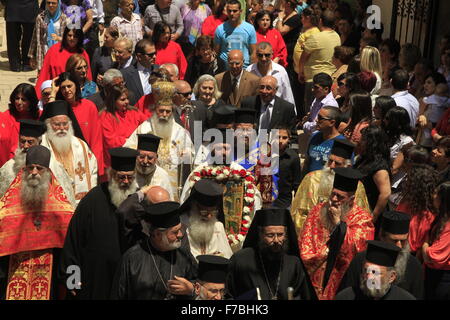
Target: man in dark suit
{"points": [[271, 110], [137, 75], [181, 98], [236, 83], [20, 16]]}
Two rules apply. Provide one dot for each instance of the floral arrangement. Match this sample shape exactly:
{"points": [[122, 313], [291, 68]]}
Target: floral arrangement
{"points": [[224, 174]]}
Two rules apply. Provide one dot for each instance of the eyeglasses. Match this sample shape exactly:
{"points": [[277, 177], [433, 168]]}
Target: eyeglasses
{"points": [[341, 84], [185, 94], [215, 292], [204, 213], [320, 118], [267, 55]]}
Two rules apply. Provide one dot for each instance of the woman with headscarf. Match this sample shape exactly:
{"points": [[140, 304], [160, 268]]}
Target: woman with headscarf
{"points": [[49, 28]]}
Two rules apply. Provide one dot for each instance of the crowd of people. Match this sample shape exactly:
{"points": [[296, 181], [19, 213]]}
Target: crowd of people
{"points": [[222, 149]]}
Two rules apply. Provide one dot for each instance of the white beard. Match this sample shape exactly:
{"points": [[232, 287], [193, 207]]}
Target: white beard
{"points": [[162, 128], [201, 231], [61, 144], [119, 195], [345, 208], [374, 292], [34, 191], [145, 174], [19, 160], [170, 246], [401, 263]]}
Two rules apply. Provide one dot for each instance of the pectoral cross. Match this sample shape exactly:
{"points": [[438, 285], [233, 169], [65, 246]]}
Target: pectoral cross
{"points": [[80, 170]]}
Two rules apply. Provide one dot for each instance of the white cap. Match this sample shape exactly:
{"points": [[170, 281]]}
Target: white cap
{"points": [[46, 84]]}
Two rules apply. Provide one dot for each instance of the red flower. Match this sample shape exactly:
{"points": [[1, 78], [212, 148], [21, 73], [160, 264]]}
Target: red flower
{"points": [[209, 172], [249, 178], [249, 195], [197, 174], [250, 187], [243, 173], [219, 172], [235, 172]]}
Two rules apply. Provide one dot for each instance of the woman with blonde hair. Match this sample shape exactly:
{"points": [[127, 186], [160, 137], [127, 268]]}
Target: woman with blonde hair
{"points": [[78, 66], [371, 61]]}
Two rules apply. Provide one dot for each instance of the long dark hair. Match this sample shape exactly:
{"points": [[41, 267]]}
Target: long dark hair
{"points": [[361, 109], [71, 77], [443, 212], [78, 34], [28, 91], [396, 123], [219, 10], [420, 184], [376, 149], [158, 30], [112, 94]]}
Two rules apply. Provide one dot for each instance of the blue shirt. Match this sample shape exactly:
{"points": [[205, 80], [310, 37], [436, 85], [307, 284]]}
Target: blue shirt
{"points": [[239, 38], [89, 89], [319, 150]]}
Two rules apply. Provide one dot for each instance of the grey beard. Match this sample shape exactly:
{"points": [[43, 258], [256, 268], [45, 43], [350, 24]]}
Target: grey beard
{"points": [[34, 191], [401, 263], [19, 160], [161, 128], [170, 246], [118, 195], [61, 144], [345, 208], [375, 293], [201, 231], [144, 174]]}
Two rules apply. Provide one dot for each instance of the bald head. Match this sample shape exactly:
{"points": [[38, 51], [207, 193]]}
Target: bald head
{"points": [[268, 87], [157, 194], [235, 62], [236, 54], [183, 92], [182, 85]]}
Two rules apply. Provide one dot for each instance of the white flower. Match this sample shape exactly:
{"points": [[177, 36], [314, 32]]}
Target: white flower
{"points": [[230, 237], [251, 191], [240, 237], [247, 225], [221, 176], [247, 209], [226, 172], [214, 171], [246, 218]]}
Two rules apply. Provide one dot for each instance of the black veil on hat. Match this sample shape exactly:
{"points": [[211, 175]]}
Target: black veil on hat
{"points": [[207, 192], [395, 222], [148, 142], [62, 108], [32, 128], [212, 268]]}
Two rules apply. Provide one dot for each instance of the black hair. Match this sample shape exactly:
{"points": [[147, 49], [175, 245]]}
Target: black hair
{"points": [[68, 76], [334, 114], [396, 123], [232, 2], [308, 12], [443, 212], [354, 65], [78, 34], [361, 109], [437, 78], [260, 15], [219, 10], [385, 103], [141, 44], [323, 79], [400, 79], [158, 30], [28, 91], [376, 149], [327, 18]]}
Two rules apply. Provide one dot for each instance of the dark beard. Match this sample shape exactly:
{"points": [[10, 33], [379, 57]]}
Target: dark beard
{"points": [[274, 252]]}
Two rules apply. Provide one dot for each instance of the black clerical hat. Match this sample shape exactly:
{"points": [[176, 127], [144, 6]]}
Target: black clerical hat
{"points": [[342, 148], [382, 253], [164, 214], [272, 217], [56, 108], [212, 268], [207, 192], [346, 179], [31, 128], [38, 155], [123, 159], [148, 142], [395, 222], [223, 114], [243, 115]]}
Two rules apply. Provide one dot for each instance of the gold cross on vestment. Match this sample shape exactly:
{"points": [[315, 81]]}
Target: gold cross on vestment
{"points": [[80, 170], [40, 287]]}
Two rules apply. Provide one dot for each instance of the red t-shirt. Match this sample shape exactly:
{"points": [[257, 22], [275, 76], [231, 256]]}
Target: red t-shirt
{"points": [[172, 53], [211, 23], [274, 37]]}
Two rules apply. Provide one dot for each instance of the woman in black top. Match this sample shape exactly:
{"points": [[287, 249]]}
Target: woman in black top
{"points": [[203, 61], [374, 163], [102, 59]]}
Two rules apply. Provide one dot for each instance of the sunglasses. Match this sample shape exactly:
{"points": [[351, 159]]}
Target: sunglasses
{"points": [[150, 54], [320, 118], [267, 55], [185, 94]]}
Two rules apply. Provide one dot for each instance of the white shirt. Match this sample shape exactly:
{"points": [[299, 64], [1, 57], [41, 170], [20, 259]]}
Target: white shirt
{"points": [[278, 72], [97, 10], [144, 74], [263, 110], [407, 101]]}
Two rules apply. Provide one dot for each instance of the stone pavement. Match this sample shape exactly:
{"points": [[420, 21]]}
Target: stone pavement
{"points": [[8, 79]]}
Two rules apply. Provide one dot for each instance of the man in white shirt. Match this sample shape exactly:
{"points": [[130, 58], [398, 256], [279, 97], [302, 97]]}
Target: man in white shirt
{"points": [[266, 67], [402, 97]]}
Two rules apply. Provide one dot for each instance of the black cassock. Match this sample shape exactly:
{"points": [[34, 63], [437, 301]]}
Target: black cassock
{"points": [[246, 273], [412, 279], [137, 276], [354, 293], [92, 243]]}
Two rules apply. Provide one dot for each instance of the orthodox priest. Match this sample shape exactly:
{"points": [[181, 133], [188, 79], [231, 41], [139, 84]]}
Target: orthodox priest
{"points": [[30, 134], [316, 186], [334, 232], [159, 267], [175, 147], [212, 274], [202, 214], [269, 260], [394, 229], [71, 156], [377, 275], [148, 173], [92, 241], [34, 217]]}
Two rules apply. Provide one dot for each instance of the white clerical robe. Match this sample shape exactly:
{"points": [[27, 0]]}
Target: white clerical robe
{"points": [[180, 150], [160, 178], [217, 246], [8, 174], [84, 166]]}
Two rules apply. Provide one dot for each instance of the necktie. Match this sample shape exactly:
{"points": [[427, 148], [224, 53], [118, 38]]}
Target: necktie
{"points": [[265, 120], [234, 87]]}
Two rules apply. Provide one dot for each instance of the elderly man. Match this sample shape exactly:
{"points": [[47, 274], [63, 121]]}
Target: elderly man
{"points": [[212, 274], [93, 239], [272, 111], [159, 267], [316, 186], [269, 260], [35, 214], [30, 134], [334, 232], [378, 275], [266, 67], [112, 77], [172, 70], [202, 214], [236, 83], [123, 53], [71, 154], [175, 147], [394, 229]]}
